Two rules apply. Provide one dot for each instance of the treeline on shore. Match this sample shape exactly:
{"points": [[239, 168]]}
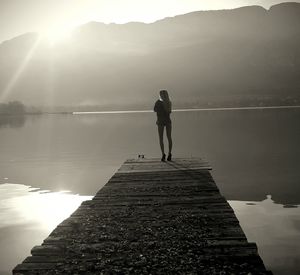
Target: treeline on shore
{"points": [[13, 107], [17, 108], [183, 103]]}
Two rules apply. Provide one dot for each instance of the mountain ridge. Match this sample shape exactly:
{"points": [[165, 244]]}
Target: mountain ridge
{"points": [[272, 8], [209, 57]]}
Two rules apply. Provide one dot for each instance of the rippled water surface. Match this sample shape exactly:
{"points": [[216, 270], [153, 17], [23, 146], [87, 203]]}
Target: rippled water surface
{"points": [[49, 164]]}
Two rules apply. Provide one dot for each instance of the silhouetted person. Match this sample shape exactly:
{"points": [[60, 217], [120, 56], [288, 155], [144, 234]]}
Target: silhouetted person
{"points": [[163, 108]]}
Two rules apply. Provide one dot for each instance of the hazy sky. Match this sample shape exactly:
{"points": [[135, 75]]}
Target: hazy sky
{"points": [[56, 16]]}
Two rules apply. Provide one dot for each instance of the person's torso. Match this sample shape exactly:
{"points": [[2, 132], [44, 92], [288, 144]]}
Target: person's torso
{"points": [[162, 114]]}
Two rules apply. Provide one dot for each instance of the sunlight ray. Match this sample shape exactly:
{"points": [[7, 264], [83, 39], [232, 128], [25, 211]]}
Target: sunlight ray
{"points": [[14, 79]]}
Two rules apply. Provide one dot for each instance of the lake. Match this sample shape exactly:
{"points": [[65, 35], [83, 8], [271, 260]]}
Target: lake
{"points": [[49, 164]]}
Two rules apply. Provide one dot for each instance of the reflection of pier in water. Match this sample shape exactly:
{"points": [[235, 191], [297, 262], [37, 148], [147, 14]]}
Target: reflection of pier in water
{"points": [[151, 217]]}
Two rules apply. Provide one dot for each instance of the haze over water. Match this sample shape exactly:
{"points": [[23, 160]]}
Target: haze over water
{"points": [[254, 154]]}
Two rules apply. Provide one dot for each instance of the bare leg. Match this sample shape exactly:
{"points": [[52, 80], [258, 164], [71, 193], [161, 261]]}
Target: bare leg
{"points": [[161, 138], [169, 136]]}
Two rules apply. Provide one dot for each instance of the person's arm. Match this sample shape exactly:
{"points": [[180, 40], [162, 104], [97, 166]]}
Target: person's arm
{"points": [[155, 109]]}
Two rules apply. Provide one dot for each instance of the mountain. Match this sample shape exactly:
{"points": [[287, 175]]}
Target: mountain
{"points": [[241, 56]]}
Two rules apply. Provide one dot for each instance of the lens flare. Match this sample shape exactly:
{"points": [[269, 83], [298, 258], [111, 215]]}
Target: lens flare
{"points": [[14, 79]]}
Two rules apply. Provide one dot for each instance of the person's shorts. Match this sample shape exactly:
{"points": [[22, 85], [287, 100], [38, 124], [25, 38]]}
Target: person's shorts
{"points": [[163, 123]]}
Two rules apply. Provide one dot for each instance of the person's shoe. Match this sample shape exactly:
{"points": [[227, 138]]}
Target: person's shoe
{"points": [[163, 158], [169, 157]]}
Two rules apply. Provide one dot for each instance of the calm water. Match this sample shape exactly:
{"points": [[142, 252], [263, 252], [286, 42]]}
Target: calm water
{"points": [[54, 162]]}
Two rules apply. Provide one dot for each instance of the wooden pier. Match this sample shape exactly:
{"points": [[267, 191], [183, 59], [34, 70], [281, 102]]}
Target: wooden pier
{"points": [[151, 217]]}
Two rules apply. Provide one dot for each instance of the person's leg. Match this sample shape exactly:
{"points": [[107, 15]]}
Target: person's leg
{"points": [[169, 136], [161, 138]]}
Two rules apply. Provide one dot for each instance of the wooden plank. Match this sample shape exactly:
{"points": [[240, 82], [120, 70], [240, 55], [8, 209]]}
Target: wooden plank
{"points": [[43, 250], [32, 267], [42, 259], [157, 160], [130, 171]]}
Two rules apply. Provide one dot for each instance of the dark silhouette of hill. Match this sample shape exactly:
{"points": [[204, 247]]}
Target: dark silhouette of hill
{"points": [[241, 56]]}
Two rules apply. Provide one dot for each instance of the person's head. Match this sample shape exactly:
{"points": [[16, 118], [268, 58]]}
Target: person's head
{"points": [[164, 95]]}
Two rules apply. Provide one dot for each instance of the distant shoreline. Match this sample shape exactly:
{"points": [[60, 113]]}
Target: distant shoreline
{"points": [[151, 111], [190, 110]]}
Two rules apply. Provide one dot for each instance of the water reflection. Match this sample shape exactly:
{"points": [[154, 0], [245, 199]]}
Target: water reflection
{"points": [[275, 229], [27, 216], [12, 121]]}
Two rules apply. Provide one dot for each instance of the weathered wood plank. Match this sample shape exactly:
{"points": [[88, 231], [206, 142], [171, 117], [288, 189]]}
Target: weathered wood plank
{"points": [[27, 268], [42, 259], [43, 250]]}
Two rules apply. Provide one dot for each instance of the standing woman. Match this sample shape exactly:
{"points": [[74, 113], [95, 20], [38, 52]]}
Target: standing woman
{"points": [[163, 108]]}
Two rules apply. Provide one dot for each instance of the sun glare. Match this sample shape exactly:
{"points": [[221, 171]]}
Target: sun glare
{"points": [[20, 205], [57, 34]]}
